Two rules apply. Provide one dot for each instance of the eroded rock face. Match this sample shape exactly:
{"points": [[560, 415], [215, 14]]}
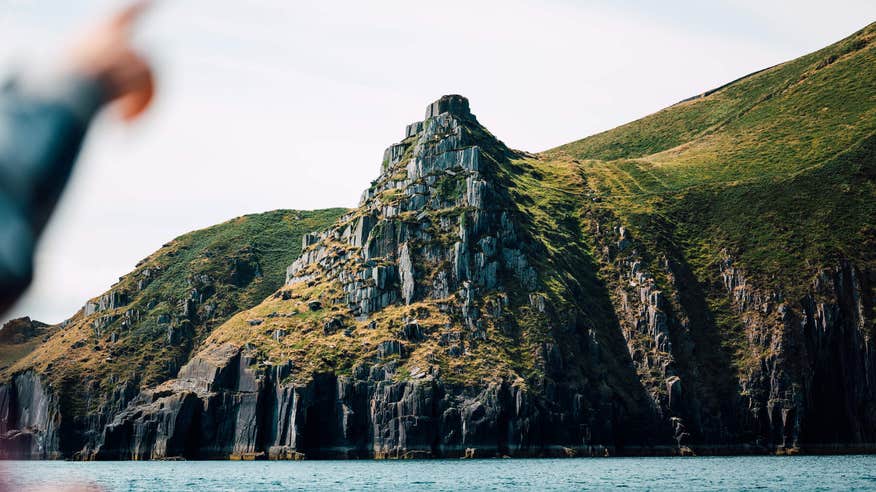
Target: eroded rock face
{"points": [[398, 237], [816, 384], [20, 330], [29, 419], [811, 385], [224, 405]]}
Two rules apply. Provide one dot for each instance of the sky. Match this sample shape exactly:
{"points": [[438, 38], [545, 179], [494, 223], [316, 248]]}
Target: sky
{"points": [[289, 104]]}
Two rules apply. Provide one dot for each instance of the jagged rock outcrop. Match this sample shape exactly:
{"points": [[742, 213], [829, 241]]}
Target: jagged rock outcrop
{"points": [[21, 330], [806, 365], [225, 405], [815, 384], [437, 211]]}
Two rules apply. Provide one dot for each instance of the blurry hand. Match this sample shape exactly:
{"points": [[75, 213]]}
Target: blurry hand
{"points": [[105, 54]]}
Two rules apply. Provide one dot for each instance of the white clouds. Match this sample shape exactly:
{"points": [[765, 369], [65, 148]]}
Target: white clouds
{"points": [[276, 104]]}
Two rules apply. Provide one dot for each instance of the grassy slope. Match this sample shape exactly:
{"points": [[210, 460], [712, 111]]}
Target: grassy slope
{"points": [[234, 265], [19, 337], [312, 349], [777, 167]]}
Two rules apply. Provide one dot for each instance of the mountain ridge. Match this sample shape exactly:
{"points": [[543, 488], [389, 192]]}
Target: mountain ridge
{"points": [[696, 281]]}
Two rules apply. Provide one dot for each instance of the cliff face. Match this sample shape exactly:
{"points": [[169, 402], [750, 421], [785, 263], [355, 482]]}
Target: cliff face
{"points": [[29, 419], [235, 411], [794, 374], [66, 382], [698, 281], [814, 386]]}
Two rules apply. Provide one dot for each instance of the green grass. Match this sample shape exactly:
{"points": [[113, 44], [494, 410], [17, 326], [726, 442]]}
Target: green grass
{"points": [[776, 167]]}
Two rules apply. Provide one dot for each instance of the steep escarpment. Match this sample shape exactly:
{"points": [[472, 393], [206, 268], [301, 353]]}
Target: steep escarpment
{"points": [[76, 376]]}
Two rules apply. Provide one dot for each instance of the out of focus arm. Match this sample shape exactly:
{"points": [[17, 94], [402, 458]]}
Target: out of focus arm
{"points": [[42, 125]]}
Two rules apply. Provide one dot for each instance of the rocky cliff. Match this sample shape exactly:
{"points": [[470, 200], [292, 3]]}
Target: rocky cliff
{"points": [[701, 281], [65, 383]]}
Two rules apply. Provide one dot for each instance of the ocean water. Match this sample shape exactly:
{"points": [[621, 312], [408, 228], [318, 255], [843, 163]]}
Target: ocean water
{"points": [[694, 473]]}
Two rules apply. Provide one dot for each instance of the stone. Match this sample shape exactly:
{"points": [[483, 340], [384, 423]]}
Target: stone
{"points": [[412, 332], [389, 347], [20, 330], [442, 225], [331, 325], [673, 389], [406, 273], [453, 104]]}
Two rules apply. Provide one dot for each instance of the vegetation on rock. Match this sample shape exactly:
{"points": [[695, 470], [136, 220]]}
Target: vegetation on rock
{"points": [[700, 280]]}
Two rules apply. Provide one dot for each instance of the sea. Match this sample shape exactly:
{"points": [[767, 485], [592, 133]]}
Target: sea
{"points": [[798, 473]]}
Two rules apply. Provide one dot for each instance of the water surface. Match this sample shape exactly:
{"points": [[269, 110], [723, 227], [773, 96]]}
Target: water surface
{"points": [[707, 473]]}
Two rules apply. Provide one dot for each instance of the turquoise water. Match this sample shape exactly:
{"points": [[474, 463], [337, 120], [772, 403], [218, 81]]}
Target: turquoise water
{"points": [[712, 473]]}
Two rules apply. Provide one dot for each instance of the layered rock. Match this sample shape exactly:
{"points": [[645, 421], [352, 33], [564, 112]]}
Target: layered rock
{"points": [[437, 211], [814, 384], [21, 330], [798, 376], [222, 405]]}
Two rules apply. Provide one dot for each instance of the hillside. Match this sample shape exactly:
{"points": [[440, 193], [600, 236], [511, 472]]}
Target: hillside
{"points": [[700, 281], [19, 337], [776, 167], [754, 207], [144, 328]]}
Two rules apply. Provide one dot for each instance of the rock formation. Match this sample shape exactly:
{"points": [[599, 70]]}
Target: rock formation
{"points": [[438, 236], [650, 290]]}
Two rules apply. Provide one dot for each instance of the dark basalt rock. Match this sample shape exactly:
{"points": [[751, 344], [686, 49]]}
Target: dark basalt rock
{"points": [[453, 104], [29, 419], [222, 406]]}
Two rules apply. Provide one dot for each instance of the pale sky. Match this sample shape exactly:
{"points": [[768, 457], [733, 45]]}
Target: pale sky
{"points": [[289, 104]]}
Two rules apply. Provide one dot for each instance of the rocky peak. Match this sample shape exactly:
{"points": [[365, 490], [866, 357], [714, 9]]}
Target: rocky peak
{"points": [[454, 104], [436, 223]]}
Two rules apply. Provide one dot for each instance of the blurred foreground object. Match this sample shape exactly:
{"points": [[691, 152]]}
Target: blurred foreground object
{"points": [[42, 125]]}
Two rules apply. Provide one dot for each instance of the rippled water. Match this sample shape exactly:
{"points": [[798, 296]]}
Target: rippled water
{"points": [[711, 473]]}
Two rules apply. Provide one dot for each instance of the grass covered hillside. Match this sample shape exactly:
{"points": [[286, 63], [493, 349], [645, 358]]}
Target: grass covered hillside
{"points": [[752, 210], [19, 337], [777, 167], [140, 331]]}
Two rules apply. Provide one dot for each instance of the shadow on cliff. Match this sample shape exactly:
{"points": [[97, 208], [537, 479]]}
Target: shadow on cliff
{"points": [[595, 358]]}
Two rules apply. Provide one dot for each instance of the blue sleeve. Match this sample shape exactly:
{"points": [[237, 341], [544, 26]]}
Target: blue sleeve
{"points": [[42, 126]]}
